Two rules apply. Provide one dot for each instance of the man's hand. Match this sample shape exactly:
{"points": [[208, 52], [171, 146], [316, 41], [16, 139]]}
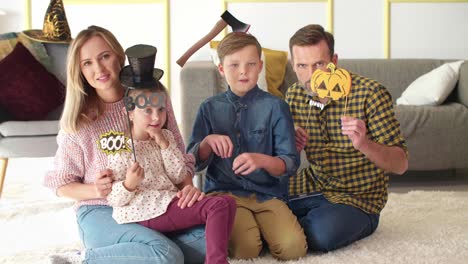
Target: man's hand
{"points": [[221, 145], [103, 183], [301, 138], [135, 175], [188, 196], [246, 163], [356, 130]]}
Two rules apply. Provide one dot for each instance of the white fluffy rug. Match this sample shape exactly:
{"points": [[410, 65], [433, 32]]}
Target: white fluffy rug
{"points": [[416, 227]]}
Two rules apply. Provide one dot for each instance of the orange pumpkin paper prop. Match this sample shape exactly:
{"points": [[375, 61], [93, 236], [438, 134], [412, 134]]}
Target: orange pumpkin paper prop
{"points": [[334, 84]]}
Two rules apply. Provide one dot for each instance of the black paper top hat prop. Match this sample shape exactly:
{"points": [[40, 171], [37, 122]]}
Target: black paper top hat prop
{"points": [[55, 28], [226, 19], [140, 74]]}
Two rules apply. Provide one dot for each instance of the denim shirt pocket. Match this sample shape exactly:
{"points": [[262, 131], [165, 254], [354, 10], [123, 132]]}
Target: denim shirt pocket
{"points": [[258, 135]]}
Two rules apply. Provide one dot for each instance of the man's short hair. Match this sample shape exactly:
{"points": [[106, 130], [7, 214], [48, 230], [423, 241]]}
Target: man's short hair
{"points": [[311, 35]]}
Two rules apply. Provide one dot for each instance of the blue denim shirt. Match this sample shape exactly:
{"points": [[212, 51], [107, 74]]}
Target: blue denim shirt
{"points": [[257, 122]]}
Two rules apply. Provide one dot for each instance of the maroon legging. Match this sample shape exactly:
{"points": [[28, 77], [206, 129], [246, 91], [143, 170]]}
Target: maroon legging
{"points": [[216, 212]]}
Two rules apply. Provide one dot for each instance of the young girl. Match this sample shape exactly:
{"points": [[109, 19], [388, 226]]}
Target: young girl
{"points": [[93, 107], [145, 191]]}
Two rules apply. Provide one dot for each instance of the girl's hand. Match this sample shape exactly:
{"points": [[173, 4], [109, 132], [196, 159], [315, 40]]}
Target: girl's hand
{"points": [[135, 175], [188, 196], [103, 183], [158, 136]]}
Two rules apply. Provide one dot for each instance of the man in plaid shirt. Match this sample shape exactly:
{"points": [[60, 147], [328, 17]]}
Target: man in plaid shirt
{"points": [[351, 143]]}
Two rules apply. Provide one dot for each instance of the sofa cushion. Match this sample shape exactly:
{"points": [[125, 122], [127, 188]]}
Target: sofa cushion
{"points": [[29, 128], [28, 91], [433, 87], [436, 136]]}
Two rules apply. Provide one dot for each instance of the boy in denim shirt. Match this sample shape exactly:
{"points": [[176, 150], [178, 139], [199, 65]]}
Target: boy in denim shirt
{"points": [[245, 137]]}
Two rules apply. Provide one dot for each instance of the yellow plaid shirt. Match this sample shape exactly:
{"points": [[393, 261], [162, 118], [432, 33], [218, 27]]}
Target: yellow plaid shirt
{"points": [[342, 173]]}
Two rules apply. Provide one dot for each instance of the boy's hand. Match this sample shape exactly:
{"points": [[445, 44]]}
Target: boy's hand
{"points": [[188, 196], [355, 129], [246, 163], [103, 183], [221, 145], [135, 175], [301, 138], [158, 136]]}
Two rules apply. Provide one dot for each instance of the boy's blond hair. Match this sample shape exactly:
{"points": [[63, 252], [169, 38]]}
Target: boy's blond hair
{"points": [[235, 41]]}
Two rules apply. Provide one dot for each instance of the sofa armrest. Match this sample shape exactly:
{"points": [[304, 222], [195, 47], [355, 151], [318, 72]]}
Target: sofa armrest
{"points": [[462, 92], [198, 81]]}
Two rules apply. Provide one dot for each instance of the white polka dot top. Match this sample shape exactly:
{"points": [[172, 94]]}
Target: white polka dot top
{"points": [[163, 169]]}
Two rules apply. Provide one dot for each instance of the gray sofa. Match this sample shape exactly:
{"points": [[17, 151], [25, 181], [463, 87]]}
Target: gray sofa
{"points": [[437, 136], [33, 138]]}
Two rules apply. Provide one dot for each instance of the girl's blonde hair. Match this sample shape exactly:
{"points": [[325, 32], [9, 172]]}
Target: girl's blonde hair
{"points": [[81, 100]]}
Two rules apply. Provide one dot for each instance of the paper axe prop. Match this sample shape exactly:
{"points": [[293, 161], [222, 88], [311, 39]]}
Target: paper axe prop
{"points": [[226, 19]]}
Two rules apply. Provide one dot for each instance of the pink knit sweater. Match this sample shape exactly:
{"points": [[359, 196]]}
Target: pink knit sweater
{"points": [[79, 157]]}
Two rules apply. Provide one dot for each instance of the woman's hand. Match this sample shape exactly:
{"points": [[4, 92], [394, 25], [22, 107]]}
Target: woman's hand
{"points": [[103, 183], [188, 196]]}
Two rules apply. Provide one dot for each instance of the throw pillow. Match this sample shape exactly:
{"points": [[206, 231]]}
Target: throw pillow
{"points": [[274, 68], [4, 115], [28, 91], [8, 42], [37, 49], [433, 87]]}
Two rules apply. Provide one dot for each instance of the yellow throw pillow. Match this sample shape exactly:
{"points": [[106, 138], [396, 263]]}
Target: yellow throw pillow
{"points": [[274, 67]]}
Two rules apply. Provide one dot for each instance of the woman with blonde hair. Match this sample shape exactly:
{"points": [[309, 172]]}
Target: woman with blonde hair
{"points": [[91, 126]]}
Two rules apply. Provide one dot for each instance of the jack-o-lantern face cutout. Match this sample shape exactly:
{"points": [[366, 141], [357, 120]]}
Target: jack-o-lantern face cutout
{"points": [[334, 84]]}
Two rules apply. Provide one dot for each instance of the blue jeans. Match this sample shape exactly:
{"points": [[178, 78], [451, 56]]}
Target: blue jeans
{"points": [[109, 242], [329, 226]]}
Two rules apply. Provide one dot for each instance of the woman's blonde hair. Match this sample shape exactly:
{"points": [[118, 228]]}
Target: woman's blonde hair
{"points": [[81, 100]]}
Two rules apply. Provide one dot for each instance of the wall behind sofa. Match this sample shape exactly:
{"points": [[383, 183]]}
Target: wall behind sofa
{"points": [[416, 29]]}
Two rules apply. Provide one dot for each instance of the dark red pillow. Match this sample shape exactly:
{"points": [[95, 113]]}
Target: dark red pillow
{"points": [[27, 90], [4, 115]]}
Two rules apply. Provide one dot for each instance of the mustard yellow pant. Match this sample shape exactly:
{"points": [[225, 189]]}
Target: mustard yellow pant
{"points": [[273, 221]]}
